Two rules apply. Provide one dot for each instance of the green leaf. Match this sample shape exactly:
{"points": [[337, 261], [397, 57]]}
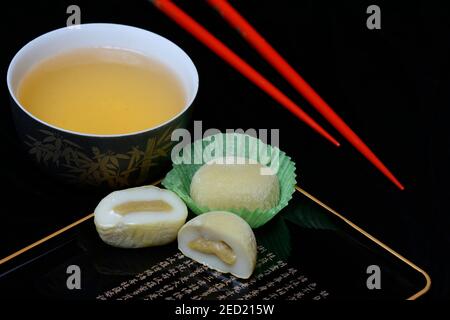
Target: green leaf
{"points": [[162, 152], [96, 152], [275, 236], [49, 139], [110, 166], [48, 156], [82, 162], [114, 161], [31, 138], [122, 156], [309, 215], [49, 147], [104, 161], [81, 155], [46, 132], [58, 144], [111, 173], [93, 168], [71, 143]]}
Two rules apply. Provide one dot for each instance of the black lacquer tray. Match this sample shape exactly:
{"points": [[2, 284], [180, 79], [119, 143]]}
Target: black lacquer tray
{"points": [[308, 251]]}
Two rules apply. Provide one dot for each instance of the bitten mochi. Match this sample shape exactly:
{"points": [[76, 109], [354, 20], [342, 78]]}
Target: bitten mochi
{"points": [[140, 217], [220, 240]]}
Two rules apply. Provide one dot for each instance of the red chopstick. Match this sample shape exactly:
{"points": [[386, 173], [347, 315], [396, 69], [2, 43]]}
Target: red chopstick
{"points": [[204, 36], [274, 58]]}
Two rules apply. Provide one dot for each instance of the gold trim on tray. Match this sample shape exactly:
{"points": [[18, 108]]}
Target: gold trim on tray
{"points": [[300, 190], [378, 242], [50, 236]]}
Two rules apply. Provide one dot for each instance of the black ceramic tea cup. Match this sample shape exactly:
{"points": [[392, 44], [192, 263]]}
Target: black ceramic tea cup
{"points": [[107, 161]]}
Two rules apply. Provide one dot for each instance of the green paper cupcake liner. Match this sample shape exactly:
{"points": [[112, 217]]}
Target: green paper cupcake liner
{"points": [[192, 157]]}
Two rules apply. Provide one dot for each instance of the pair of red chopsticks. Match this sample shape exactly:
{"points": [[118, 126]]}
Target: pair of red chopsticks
{"points": [[271, 55]]}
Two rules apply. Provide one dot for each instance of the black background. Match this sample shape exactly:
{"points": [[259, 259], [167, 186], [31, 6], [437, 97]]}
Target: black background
{"points": [[390, 85]]}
